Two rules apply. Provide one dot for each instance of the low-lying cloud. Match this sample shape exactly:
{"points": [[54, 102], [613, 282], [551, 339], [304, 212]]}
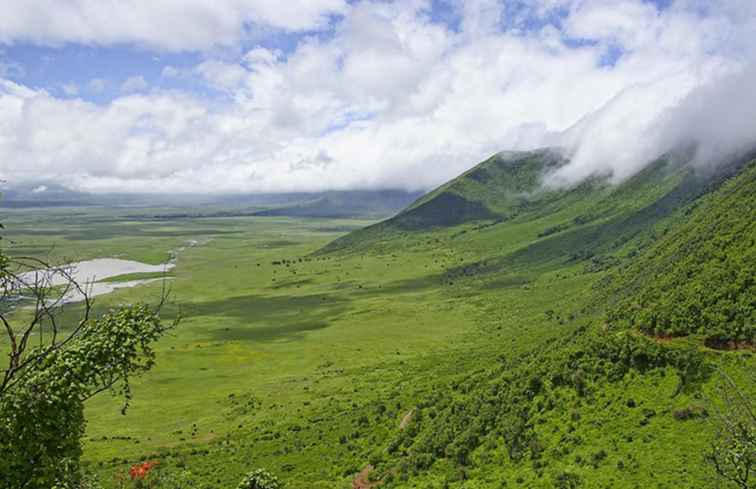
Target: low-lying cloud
{"points": [[716, 119], [392, 97]]}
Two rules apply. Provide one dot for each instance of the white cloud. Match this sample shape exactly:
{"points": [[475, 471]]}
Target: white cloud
{"points": [[162, 24], [40, 189], [262, 56], [391, 98], [134, 84], [170, 72], [629, 23], [220, 74]]}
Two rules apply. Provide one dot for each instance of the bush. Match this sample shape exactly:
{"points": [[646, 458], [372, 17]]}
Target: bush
{"points": [[567, 480], [42, 414], [260, 479], [689, 412]]}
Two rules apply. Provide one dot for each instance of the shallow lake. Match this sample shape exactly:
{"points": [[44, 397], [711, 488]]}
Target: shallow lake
{"points": [[90, 273]]}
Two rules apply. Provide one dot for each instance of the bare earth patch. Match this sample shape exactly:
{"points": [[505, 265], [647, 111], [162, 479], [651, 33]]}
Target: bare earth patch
{"points": [[362, 479]]}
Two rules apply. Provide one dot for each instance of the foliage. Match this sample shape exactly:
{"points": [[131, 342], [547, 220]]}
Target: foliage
{"points": [[44, 389], [698, 278], [43, 415], [260, 479], [733, 450]]}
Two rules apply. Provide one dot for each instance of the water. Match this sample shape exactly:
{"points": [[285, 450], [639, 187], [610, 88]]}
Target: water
{"points": [[90, 273]]}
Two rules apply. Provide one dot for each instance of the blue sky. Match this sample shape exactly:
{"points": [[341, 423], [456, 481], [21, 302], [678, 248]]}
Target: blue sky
{"points": [[109, 96]]}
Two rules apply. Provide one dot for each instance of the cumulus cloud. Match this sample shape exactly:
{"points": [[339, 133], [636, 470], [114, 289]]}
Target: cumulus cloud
{"points": [[165, 25], [134, 84], [170, 72], [392, 98], [222, 75], [708, 105]]}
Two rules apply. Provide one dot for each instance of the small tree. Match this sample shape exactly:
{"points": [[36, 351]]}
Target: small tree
{"points": [[733, 450], [260, 479], [54, 366]]}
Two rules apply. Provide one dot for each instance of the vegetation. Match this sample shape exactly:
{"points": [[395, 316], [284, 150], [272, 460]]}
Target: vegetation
{"points": [[733, 450], [504, 349], [44, 387], [260, 479], [699, 278]]}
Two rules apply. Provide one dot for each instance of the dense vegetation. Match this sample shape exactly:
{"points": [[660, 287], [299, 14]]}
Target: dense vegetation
{"points": [[699, 278]]}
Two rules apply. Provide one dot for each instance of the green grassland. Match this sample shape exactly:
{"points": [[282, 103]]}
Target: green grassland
{"points": [[487, 349]]}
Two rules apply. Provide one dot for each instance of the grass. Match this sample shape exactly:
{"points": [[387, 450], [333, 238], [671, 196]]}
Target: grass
{"points": [[128, 277]]}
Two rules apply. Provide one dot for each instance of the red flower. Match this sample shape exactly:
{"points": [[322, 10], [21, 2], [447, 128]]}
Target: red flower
{"points": [[140, 471]]}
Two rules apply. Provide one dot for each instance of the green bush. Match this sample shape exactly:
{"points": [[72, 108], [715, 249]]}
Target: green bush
{"points": [[42, 414], [260, 479]]}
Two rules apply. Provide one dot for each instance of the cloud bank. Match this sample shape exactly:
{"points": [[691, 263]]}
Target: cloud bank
{"points": [[379, 94]]}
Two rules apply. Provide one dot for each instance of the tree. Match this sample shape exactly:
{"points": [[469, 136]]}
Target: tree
{"points": [[732, 452], [55, 365]]}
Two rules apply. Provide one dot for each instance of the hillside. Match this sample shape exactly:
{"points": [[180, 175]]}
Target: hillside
{"points": [[699, 277], [504, 195], [674, 253], [495, 190]]}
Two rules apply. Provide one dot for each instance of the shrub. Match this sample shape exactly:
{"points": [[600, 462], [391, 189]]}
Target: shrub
{"points": [[260, 479], [567, 480], [689, 412]]}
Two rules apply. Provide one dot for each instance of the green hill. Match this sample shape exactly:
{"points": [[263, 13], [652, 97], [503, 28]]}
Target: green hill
{"points": [[495, 190], [613, 395], [505, 196], [699, 277]]}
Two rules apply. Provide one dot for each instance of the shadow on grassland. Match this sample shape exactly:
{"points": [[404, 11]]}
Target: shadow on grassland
{"points": [[269, 318], [133, 231], [396, 287]]}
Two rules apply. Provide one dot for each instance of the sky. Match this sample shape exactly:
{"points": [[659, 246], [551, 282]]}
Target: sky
{"points": [[235, 96]]}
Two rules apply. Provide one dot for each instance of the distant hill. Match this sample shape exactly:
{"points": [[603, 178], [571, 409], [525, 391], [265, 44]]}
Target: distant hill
{"points": [[354, 203], [42, 195], [376, 204], [493, 191]]}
